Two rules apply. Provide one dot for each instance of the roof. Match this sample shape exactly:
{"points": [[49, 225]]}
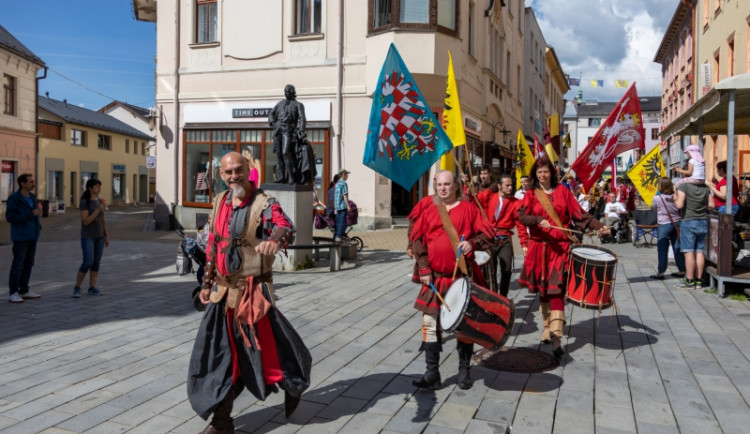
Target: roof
{"points": [[89, 118], [650, 103], [10, 43], [140, 111], [588, 109], [677, 22]]}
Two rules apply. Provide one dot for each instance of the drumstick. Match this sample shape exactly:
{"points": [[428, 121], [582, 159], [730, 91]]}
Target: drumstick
{"points": [[458, 256], [565, 229], [439, 297]]}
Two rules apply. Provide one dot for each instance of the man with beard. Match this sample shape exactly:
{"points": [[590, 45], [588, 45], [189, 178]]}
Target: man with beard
{"points": [[434, 248], [243, 341]]}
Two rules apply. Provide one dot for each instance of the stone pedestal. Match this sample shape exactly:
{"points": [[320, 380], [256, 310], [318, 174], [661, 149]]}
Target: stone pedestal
{"points": [[297, 203]]}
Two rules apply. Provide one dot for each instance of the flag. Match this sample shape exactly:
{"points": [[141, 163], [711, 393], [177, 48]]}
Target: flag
{"points": [[620, 132], [552, 138], [597, 83], [403, 137], [646, 173], [524, 158], [621, 83], [538, 148], [566, 140], [452, 119], [630, 163], [574, 81]]}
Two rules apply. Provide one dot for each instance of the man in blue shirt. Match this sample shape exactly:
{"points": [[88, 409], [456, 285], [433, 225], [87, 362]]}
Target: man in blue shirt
{"points": [[22, 212], [341, 203]]}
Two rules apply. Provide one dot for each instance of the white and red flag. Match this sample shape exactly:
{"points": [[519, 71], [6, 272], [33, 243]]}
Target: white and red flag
{"points": [[620, 132]]}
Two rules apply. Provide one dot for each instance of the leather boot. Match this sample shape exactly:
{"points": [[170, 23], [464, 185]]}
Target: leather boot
{"points": [[465, 351], [221, 422], [431, 378], [544, 309], [556, 326]]}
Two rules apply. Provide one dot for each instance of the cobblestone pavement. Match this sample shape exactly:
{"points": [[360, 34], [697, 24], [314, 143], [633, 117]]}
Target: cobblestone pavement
{"points": [[663, 361]]}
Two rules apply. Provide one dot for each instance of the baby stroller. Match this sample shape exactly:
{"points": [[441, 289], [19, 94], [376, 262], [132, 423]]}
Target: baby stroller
{"points": [[620, 233], [192, 250], [322, 221]]}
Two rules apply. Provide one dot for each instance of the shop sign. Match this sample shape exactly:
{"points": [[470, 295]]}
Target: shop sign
{"points": [[151, 162], [251, 112], [118, 167], [472, 124], [8, 166]]}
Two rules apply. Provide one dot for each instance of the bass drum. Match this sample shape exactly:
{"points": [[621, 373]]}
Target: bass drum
{"points": [[477, 314]]}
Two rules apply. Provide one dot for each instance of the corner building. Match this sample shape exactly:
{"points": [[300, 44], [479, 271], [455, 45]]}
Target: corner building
{"points": [[221, 66]]}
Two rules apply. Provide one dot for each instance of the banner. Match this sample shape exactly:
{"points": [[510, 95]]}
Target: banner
{"points": [[574, 81], [403, 137], [646, 173], [552, 138], [620, 132], [566, 140], [597, 83], [452, 118], [524, 158], [621, 83]]}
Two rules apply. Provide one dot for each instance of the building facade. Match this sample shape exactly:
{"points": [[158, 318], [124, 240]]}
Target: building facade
{"points": [[214, 89], [77, 144], [556, 86], [534, 78], [19, 68]]}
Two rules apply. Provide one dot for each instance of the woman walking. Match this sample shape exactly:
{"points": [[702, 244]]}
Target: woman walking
{"points": [[668, 219], [546, 209], [94, 236]]}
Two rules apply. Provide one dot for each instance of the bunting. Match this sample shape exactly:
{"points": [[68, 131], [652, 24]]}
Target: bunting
{"points": [[403, 136], [621, 83], [597, 83], [574, 81], [646, 173]]}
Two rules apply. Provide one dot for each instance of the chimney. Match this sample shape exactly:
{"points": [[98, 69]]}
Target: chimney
{"points": [[65, 101]]}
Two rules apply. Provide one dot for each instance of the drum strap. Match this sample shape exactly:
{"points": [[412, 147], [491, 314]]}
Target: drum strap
{"points": [[451, 231], [547, 205]]}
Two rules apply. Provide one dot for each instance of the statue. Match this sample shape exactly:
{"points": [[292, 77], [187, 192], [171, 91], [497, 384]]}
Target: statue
{"points": [[290, 144]]}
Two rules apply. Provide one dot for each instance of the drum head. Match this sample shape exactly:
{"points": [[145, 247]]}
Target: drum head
{"points": [[593, 253], [456, 298]]}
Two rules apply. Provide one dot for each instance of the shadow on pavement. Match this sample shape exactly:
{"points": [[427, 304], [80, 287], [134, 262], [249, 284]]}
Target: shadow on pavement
{"points": [[609, 334]]}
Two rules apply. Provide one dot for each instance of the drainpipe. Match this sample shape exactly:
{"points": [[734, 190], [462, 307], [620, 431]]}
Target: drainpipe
{"points": [[36, 126], [338, 149], [176, 102]]}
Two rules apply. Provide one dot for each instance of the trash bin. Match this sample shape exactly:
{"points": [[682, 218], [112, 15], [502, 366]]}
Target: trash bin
{"points": [[45, 208]]}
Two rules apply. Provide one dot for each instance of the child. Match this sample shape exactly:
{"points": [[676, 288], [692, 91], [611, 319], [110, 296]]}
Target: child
{"points": [[696, 166]]}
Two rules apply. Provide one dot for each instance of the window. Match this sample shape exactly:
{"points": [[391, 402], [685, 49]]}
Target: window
{"points": [[446, 14], [9, 95], [7, 178], [127, 146], [104, 142], [472, 43], [308, 13], [415, 11], [654, 134], [206, 21], [507, 71], [77, 137], [730, 58], [595, 122], [143, 148], [381, 13]]}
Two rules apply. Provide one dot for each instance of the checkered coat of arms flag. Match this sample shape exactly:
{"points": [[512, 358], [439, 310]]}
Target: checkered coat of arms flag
{"points": [[403, 136]]}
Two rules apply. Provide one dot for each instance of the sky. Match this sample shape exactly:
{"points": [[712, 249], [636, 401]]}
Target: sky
{"points": [[606, 40], [96, 51]]}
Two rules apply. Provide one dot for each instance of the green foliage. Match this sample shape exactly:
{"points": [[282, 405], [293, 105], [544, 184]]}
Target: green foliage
{"points": [[738, 297], [711, 291], [306, 264]]}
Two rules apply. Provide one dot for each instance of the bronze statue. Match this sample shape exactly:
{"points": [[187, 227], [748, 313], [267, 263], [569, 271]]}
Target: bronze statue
{"points": [[288, 121]]}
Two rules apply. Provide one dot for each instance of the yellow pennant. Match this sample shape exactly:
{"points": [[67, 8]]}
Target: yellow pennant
{"points": [[646, 173]]}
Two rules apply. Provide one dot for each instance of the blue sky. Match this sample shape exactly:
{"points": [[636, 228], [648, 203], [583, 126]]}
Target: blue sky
{"points": [[95, 43]]}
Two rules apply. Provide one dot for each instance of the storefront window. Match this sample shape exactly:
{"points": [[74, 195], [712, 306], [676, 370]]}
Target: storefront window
{"points": [[198, 173], [7, 179], [54, 185], [118, 186], [85, 176]]}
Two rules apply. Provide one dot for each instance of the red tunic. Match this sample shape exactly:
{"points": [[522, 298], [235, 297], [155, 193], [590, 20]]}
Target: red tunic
{"points": [[547, 254], [508, 217], [433, 250]]}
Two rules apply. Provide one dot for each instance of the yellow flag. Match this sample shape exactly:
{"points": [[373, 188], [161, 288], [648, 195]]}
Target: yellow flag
{"points": [[552, 138], [566, 140], [524, 158], [452, 120], [646, 173], [621, 83]]}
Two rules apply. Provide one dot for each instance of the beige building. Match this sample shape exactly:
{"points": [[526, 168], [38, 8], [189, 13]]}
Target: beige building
{"points": [[19, 68], [77, 144], [221, 66], [556, 86]]}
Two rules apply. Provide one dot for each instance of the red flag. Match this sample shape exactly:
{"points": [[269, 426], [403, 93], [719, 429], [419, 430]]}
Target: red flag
{"points": [[538, 148], [620, 132]]}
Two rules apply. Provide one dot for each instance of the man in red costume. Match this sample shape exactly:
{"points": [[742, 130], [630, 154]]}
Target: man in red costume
{"points": [[502, 211], [434, 249], [243, 341]]}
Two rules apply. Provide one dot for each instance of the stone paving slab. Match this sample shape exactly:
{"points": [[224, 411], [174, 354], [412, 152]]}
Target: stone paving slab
{"points": [[663, 360]]}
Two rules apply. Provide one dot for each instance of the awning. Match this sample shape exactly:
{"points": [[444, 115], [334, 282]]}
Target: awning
{"points": [[713, 109]]}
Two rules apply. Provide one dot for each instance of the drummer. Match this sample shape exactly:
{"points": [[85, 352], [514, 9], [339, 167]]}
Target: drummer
{"points": [[502, 211], [434, 247], [546, 208]]}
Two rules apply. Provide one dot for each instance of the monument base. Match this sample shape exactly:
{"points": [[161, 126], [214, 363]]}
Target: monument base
{"points": [[297, 203]]}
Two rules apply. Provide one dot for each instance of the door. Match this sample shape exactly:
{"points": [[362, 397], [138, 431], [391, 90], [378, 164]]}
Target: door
{"points": [[73, 186]]}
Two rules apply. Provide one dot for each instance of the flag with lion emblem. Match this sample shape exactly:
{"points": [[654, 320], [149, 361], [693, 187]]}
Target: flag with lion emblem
{"points": [[646, 173]]}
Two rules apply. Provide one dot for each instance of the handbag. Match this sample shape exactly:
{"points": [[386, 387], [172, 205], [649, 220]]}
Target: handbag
{"points": [[676, 228]]}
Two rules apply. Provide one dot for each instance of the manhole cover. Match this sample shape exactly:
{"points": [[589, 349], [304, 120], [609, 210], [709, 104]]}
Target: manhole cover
{"points": [[514, 359]]}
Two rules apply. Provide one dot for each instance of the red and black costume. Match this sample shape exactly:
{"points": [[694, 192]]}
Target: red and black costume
{"points": [[503, 215]]}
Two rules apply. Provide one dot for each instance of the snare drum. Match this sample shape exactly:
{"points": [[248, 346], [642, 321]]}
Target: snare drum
{"points": [[591, 277], [477, 314]]}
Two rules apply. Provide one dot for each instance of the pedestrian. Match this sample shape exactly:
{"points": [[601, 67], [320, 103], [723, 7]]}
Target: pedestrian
{"points": [[330, 209], [524, 186], [719, 190], [549, 204], [486, 187], [503, 214], [243, 341], [434, 247], [341, 203], [693, 200], [22, 212], [632, 197], [583, 198], [254, 175], [668, 221], [94, 236]]}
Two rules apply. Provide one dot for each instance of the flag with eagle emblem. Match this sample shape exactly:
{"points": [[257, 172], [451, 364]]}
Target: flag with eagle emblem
{"points": [[403, 137], [646, 173]]}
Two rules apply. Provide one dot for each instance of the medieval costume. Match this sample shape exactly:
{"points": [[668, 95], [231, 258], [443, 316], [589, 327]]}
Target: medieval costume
{"points": [[243, 340], [503, 215]]}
